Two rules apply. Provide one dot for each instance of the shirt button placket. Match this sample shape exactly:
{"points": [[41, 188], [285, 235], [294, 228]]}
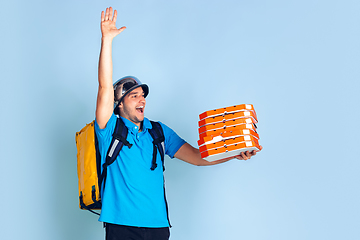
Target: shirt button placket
{"points": [[136, 133]]}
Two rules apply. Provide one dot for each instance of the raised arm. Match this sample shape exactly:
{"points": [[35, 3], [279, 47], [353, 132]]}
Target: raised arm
{"points": [[105, 98], [192, 155]]}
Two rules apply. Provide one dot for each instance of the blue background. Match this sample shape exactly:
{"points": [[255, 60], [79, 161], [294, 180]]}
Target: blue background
{"points": [[297, 62]]}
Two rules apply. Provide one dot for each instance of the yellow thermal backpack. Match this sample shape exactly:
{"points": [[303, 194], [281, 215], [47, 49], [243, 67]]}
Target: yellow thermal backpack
{"points": [[92, 176]]}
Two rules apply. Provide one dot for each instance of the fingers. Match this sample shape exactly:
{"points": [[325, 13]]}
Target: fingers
{"points": [[245, 155], [115, 16], [242, 156], [121, 29], [108, 15], [102, 16]]}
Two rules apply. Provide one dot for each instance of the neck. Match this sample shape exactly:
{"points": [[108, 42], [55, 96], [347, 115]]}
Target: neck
{"points": [[139, 124]]}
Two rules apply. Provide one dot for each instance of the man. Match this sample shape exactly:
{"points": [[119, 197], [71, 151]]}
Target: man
{"points": [[133, 202]]}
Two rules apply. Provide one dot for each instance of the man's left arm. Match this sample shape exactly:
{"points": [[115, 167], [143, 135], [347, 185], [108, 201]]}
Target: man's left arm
{"points": [[192, 155]]}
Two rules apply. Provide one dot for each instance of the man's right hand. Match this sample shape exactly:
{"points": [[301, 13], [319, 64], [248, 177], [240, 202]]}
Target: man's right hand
{"points": [[108, 24]]}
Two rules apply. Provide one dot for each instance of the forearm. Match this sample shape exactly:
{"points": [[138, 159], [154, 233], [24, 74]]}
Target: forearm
{"points": [[192, 155], [105, 70]]}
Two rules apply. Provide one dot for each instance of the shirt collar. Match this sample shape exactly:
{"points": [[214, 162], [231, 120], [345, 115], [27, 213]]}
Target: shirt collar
{"points": [[132, 127]]}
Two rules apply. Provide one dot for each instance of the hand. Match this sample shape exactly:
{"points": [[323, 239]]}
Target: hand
{"points": [[108, 24], [247, 155]]}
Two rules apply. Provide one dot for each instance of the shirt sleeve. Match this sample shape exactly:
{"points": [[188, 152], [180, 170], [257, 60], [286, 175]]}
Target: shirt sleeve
{"points": [[105, 135], [172, 141]]}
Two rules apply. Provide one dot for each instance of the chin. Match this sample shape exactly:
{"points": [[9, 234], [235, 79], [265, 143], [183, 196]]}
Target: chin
{"points": [[139, 119]]}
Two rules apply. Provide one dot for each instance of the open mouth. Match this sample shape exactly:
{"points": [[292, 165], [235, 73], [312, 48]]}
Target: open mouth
{"points": [[140, 109]]}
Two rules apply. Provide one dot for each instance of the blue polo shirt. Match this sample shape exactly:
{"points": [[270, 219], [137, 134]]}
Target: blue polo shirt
{"points": [[134, 195]]}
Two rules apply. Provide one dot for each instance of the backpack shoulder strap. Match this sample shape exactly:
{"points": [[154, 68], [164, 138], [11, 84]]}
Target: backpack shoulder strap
{"points": [[117, 142], [157, 134]]}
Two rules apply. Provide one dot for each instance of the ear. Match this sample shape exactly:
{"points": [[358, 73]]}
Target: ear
{"points": [[120, 106]]}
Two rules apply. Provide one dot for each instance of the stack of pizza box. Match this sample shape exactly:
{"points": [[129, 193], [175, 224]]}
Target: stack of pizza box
{"points": [[226, 132]]}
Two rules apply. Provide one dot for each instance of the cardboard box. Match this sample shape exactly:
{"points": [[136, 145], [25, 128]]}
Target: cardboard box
{"points": [[226, 132]]}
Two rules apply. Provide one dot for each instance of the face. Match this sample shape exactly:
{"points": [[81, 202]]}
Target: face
{"points": [[133, 105]]}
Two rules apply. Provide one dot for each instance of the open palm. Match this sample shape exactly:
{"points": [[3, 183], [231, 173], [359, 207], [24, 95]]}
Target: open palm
{"points": [[108, 23]]}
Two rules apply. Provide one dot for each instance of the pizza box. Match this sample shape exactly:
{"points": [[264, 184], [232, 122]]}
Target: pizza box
{"points": [[227, 142], [229, 151], [225, 124], [227, 134], [227, 117], [226, 110], [227, 129]]}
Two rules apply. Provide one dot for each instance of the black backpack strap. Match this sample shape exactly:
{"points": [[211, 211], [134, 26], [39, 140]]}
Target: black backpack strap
{"points": [[157, 134], [117, 142]]}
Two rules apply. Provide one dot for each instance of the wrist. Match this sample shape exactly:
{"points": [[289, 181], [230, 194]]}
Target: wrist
{"points": [[107, 39]]}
